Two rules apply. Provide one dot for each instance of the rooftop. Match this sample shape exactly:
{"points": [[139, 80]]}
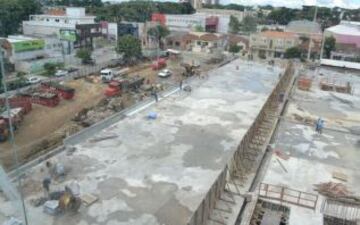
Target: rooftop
{"points": [[304, 26], [346, 28], [304, 158], [158, 171], [278, 34]]}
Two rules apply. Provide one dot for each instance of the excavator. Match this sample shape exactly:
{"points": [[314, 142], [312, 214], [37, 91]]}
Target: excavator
{"points": [[190, 70]]}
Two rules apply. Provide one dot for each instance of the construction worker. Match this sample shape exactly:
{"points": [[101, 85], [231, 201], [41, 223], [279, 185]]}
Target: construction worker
{"points": [[319, 125], [154, 93], [181, 84], [46, 186]]}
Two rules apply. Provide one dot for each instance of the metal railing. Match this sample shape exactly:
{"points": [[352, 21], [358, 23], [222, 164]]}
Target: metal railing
{"points": [[288, 195]]}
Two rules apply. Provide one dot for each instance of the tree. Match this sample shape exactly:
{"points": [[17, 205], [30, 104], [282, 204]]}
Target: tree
{"points": [[84, 54], [13, 12], [159, 32], [292, 53], [234, 25], [282, 15], [233, 48], [50, 68], [199, 28], [329, 45], [264, 29], [138, 11], [249, 24], [130, 47]]}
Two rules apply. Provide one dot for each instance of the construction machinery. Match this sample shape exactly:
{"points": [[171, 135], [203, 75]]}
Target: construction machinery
{"points": [[159, 64], [42, 98], [18, 108], [116, 87], [190, 70], [63, 91], [108, 74]]}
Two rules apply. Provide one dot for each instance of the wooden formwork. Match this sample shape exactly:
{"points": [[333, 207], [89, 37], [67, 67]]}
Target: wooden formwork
{"points": [[247, 153], [304, 83]]}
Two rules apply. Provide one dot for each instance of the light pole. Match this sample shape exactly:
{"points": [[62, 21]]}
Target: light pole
{"points": [[310, 39], [12, 140]]}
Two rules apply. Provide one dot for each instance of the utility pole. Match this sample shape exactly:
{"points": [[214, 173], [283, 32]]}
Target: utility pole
{"points": [[12, 140], [310, 39]]}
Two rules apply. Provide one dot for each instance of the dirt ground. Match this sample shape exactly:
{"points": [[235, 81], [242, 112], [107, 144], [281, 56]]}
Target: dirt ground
{"points": [[42, 125], [42, 121]]}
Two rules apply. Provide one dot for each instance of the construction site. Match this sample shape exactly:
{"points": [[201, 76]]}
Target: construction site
{"points": [[238, 144], [71, 104]]}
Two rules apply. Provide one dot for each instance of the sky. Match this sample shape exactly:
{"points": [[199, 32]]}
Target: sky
{"points": [[288, 3]]}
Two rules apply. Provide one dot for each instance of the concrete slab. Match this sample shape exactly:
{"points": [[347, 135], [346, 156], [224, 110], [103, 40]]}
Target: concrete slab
{"points": [[158, 171], [312, 158]]}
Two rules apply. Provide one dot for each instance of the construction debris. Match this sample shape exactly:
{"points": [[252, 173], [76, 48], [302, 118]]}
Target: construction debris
{"points": [[102, 110], [304, 83], [88, 199], [331, 189], [339, 175], [93, 140], [282, 166], [333, 85], [13, 221]]}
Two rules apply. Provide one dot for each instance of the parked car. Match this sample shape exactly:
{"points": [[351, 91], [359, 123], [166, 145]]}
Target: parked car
{"points": [[89, 62], [60, 73], [165, 73], [72, 69], [33, 80]]}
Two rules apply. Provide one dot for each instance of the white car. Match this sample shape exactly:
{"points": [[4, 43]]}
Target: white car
{"points": [[60, 73], [164, 73], [33, 80]]}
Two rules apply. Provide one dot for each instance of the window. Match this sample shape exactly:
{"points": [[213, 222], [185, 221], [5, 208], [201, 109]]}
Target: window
{"points": [[199, 43], [177, 44], [57, 20]]}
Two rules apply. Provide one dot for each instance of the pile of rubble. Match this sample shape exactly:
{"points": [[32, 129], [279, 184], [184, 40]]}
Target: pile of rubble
{"points": [[102, 110], [332, 189]]}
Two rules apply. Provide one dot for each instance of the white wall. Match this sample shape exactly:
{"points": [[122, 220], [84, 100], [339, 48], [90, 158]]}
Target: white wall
{"points": [[184, 22], [75, 11], [112, 31], [223, 26]]}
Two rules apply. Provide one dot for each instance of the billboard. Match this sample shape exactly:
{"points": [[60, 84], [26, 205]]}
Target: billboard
{"points": [[68, 35], [28, 45]]}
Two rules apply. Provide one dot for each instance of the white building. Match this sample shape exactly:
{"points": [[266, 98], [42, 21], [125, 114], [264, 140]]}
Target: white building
{"points": [[347, 49], [184, 22], [29, 54], [48, 24]]}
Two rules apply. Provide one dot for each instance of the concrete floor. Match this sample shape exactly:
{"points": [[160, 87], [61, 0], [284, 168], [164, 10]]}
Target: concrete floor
{"points": [[158, 171], [314, 157]]}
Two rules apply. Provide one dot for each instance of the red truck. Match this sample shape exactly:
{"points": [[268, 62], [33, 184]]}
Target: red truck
{"points": [[159, 64], [116, 87], [63, 91]]}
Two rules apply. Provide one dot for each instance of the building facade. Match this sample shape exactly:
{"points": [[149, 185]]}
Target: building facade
{"points": [[272, 44], [29, 54], [48, 24], [347, 36]]}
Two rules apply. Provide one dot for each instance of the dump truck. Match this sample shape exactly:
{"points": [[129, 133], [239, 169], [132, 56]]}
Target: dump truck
{"points": [[158, 64], [109, 74], [19, 106], [16, 116], [117, 87], [63, 91], [41, 98]]}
